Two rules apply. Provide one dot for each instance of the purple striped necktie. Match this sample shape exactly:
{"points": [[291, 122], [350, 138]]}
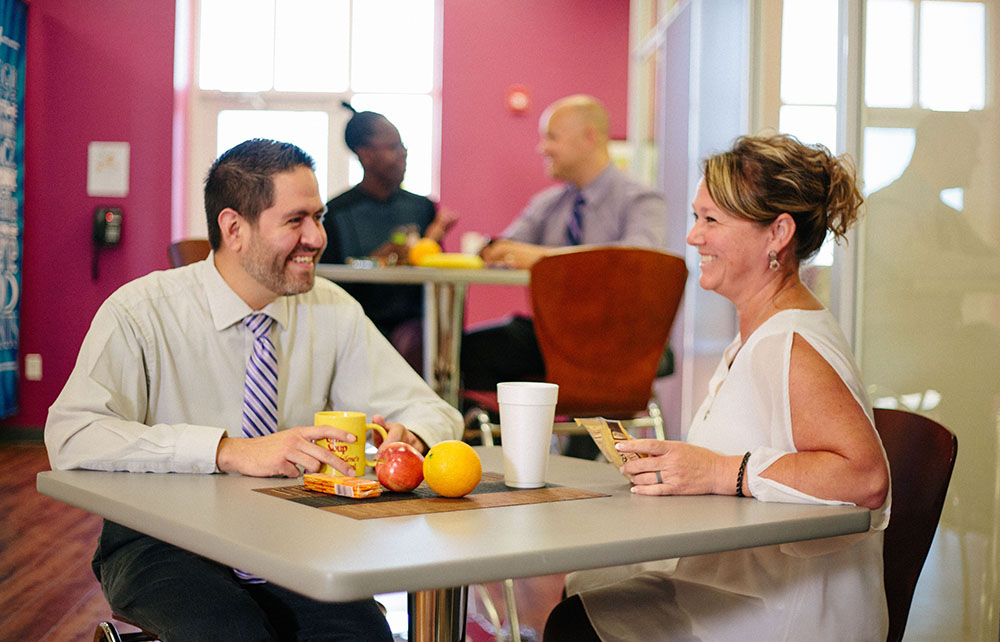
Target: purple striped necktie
{"points": [[260, 394], [574, 231]]}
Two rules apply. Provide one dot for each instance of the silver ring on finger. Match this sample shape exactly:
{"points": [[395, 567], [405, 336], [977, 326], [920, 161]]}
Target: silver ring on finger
{"points": [[659, 480]]}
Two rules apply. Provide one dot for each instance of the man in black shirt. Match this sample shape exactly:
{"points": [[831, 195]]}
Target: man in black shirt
{"points": [[375, 218]]}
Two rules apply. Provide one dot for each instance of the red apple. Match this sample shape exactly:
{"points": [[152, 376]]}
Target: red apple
{"points": [[400, 467]]}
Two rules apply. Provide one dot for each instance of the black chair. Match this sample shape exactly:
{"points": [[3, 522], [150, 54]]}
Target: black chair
{"points": [[107, 632]]}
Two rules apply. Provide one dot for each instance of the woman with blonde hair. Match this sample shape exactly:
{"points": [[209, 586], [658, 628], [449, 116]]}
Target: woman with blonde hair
{"points": [[786, 419]]}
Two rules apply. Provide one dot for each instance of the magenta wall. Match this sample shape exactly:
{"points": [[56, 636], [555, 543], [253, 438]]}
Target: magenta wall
{"points": [[104, 71], [95, 71], [489, 166]]}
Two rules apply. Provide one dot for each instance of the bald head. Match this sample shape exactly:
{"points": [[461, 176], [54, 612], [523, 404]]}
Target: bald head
{"points": [[574, 138], [586, 109]]}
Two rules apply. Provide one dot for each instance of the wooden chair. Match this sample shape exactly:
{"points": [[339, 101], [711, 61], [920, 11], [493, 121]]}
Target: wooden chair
{"points": [[921, 455], [602, 317], [188, 251]]}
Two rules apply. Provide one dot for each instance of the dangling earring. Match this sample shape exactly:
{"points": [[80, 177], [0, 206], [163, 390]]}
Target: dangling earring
{"points": [[773, 265]]}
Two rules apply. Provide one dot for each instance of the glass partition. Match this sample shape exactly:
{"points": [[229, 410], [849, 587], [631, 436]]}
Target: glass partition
{"points": [[929, 278]]}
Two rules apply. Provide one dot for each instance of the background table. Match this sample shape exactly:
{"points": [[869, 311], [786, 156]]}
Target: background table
{"points": [[444, 309], [330, 557]]}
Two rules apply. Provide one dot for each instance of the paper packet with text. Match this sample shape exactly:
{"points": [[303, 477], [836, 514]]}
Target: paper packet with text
{"points": [[605, 433]]}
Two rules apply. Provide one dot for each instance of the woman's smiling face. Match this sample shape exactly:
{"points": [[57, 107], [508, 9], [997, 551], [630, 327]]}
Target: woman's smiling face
{"points": [[733, 250]]}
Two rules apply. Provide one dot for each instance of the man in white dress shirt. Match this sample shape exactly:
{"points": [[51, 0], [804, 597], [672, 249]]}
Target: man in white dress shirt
{"points": [[159, 387]]}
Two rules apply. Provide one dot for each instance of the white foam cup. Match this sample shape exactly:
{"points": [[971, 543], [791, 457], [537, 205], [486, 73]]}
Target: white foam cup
{"points": [[527, 410]]}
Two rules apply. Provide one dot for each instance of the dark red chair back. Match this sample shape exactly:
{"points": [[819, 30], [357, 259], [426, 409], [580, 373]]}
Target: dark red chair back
{"points": [[921, 456]]}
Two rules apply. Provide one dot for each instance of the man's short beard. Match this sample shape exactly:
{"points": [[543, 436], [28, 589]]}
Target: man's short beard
{"points": [[272, 275]]}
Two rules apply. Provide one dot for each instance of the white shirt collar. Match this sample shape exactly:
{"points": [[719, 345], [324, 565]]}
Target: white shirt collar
{"points": [[226, 307]]}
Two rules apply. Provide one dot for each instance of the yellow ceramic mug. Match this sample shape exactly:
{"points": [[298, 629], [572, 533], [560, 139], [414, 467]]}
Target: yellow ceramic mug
{"points": [[353, 453]]}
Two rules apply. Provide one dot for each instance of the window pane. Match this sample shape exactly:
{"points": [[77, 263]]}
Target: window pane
{"points": [[887, 152], [393, 48], [953, 197], [810, 124], [248, 67], [952, 55], [307, 129], [412, 116], [824, 257], [809, 52], [311, 47], [889, 53]]}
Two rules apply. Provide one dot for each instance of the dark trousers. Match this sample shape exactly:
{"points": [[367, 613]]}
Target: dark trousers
{"points": [[568, 622], [509, 351], [183, 597], [505, 351]]}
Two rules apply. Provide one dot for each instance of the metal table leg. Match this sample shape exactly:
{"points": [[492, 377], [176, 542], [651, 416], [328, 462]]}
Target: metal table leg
{"points": [[444, 318], [438, 615], [430, 333]]}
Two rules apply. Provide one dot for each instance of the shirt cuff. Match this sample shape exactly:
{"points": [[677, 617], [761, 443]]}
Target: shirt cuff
{"points": [[197, 447]]}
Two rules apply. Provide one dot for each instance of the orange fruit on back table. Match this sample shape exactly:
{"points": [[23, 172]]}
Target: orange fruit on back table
{"points": [[452, 468], [423, 248]]}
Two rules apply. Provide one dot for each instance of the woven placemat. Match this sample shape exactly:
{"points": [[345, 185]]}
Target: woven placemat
{"points": [[490, 492]]}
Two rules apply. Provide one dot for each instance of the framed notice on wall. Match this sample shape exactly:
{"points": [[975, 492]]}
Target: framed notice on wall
{"points": [[13, 31]]}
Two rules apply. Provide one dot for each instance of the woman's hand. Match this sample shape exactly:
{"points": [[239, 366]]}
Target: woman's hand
{"points": [[683, 469]]}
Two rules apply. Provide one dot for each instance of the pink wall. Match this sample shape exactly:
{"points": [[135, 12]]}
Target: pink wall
{"points": [[489, 167], [103, 71], [95, 71]]}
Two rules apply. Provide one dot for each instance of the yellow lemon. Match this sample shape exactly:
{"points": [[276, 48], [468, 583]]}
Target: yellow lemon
{"points": [[452, 468], [423, 248]]}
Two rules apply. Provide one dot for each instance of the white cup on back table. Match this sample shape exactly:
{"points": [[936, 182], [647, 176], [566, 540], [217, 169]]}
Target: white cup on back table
{"points": [[527, 410]]}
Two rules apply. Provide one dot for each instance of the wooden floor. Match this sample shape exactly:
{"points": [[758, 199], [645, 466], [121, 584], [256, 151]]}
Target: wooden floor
{"points": [[48, 592]]}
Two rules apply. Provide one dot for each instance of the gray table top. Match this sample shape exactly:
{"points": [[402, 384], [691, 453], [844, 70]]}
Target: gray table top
{"points": [[331, 557]]}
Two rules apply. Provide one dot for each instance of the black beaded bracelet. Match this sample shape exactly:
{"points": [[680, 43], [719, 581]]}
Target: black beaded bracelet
{"points": [[739, 477]]}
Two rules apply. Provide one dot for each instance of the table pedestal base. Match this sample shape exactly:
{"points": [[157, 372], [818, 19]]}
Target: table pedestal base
{"points": [[438, 615], [444, 315]]}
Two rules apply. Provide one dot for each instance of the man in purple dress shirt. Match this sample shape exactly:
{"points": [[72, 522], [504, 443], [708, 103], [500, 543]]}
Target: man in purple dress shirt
{"points": [[596, 204]]}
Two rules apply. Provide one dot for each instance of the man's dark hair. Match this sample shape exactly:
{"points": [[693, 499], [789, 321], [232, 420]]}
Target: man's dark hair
{"points": [[242, 179], [360, 127]]}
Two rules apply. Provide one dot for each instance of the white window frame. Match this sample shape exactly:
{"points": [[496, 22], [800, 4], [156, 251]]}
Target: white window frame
{"points": [[196, 123]]}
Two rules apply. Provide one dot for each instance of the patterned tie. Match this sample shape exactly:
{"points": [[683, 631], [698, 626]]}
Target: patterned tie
{"points": [[260, 394], [574, 231]]}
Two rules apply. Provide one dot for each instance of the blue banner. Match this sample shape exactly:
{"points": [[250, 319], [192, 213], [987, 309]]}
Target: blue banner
{"points": [[13, 33]]}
